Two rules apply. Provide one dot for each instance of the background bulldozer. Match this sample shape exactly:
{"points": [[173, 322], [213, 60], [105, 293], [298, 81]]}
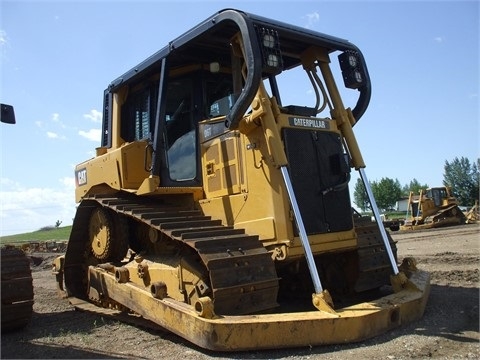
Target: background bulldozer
{"points": [[16, 276], [472, 215], [220, 211], [433, 207], [17, 289]]}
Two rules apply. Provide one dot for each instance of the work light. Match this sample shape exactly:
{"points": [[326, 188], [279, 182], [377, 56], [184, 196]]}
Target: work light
{"points": [[352, 70], [270, 46]]}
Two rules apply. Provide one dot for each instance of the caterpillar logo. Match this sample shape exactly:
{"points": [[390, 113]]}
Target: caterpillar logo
{"points": [[309, 123], [81, 177]]}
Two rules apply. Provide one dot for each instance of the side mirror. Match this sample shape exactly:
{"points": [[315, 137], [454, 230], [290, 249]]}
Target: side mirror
{"points": [[7, 114]]}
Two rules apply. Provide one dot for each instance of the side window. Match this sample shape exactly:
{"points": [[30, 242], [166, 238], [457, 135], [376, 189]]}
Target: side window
{"points": [[219, 94], [142, 116], [138, 115], [180, 130]]}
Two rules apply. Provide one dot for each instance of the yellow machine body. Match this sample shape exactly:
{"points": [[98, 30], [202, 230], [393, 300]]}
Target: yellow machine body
{"points": [[433, 207], [223, 215]]}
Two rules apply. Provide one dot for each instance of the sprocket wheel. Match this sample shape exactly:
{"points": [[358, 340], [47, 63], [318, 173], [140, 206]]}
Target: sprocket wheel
{"points": [[100, 232], [108, 234]]}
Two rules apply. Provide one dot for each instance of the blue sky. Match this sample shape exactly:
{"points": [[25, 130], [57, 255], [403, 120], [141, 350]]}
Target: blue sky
{"points": [[57, 57]]}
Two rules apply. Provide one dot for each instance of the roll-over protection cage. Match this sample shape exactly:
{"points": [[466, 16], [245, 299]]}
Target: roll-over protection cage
{"points": [[209, 42]]}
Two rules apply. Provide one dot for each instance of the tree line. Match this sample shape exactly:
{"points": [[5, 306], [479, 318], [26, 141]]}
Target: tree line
{"points": [[460, 175]]}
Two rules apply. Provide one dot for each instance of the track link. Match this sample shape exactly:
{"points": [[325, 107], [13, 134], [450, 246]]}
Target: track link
{"points": [[242, 274], [17, 289], [374, 264], [451, 215]]}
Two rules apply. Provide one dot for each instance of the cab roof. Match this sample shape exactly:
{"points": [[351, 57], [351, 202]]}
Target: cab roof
{"points": [[209, 42]]}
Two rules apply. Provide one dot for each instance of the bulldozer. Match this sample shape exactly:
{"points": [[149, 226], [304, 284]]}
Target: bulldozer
{"points": [[17, 289], [472, 215], [221, 212], [432, 208], [16, 275]]}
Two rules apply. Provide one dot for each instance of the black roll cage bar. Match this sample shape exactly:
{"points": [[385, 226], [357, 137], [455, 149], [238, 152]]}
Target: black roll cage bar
{"points": [[229, 21]]}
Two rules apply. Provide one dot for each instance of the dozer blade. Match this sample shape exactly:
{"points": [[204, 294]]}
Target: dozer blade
{"points": [[275, 330]]}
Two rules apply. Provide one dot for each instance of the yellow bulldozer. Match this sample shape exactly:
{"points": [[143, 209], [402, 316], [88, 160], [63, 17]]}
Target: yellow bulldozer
{"points": [[472, 215], [222, 213], [433, 207], [16, 275]]}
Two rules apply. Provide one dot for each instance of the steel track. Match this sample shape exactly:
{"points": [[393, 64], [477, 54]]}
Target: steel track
{"points": [[242, 274]]}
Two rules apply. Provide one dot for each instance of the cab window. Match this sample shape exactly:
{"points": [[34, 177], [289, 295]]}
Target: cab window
{"points": [[180, 130], [138, 115]]}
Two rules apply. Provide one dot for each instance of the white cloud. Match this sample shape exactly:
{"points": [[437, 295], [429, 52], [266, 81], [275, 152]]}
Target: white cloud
{"points": [[4, 44], [94, 115], [68, 182], [92, 134], [52, 135], [56, 120], [6, 182], [29, 209], [438, 39], [312, 19], [3, 38]]}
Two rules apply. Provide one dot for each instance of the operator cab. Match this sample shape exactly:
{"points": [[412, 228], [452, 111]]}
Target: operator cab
{"points": [[215, 70]]}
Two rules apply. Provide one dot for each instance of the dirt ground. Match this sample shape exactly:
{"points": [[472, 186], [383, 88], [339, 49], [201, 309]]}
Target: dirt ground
{"points": [[448, 330]]}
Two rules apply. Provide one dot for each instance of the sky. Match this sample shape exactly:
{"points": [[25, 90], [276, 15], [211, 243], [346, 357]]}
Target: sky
{"points": [[57, 57]]}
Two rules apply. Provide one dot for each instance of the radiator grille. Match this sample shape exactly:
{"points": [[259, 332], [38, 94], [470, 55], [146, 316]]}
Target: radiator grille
{"points": [[319, 175]]}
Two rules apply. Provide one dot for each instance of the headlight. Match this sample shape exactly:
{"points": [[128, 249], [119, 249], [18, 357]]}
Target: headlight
{"points": [[268, 41], [270, 46], [352, 69], [352, 60], [273, 61]]}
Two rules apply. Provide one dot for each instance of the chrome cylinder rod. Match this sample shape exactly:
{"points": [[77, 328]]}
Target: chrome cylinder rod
{"points": [[303, 234], [378, 219]]}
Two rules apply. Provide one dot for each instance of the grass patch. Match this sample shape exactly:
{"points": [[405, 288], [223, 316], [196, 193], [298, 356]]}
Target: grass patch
{"points": [[391, 215], [396, 215], [46, 234]]}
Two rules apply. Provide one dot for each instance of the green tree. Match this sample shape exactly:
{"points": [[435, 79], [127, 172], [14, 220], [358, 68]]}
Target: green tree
{"points": [[463, 177], [360, 197], [414, 186], [387, 192]]}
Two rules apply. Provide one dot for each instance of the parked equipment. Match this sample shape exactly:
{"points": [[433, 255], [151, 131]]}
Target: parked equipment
{"points": [[388, 223], [434, 207], [472, 216], [16, 276], [223, 214], [17, 289]]}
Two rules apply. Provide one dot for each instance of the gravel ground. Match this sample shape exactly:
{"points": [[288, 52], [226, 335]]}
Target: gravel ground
{"points": [[448, 330]]}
